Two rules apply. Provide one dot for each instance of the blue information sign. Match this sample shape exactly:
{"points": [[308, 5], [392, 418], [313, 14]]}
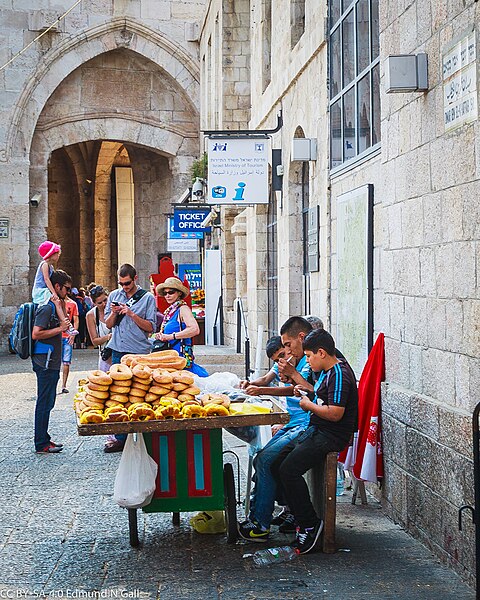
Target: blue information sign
{"points": [[187, 220], [186, 235]]}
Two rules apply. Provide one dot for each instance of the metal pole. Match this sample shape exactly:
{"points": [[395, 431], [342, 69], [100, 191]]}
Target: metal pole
{"points": [[476, 481], [247, 358], [239, 329]]}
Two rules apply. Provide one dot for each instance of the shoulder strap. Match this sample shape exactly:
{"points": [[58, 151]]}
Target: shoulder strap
{"points": [[97, 317], [138, 295]]}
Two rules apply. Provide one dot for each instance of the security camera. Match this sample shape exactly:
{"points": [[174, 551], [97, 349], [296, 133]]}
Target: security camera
{"points": [[185, 197], [208, 220], [197, 189], [35, 199]]}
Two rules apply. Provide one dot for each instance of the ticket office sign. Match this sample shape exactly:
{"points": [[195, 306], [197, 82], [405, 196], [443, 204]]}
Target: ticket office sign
{"points": [[237, 171], [186, 221]]}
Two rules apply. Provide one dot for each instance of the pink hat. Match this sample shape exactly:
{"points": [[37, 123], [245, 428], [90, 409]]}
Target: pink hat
{"points": [[46, 249]]}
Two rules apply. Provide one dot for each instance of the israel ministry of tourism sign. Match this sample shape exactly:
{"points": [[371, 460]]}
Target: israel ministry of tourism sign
{"points": [[237, 171]]}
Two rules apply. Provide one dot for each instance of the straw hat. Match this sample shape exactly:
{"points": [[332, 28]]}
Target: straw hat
{"points": [[172, 283]]}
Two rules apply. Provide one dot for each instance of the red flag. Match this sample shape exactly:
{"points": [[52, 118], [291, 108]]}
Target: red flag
{"points": [[369, 457]]}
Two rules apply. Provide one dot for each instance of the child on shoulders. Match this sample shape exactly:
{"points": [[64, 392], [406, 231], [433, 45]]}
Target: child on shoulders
{"points": [[43, 290]]}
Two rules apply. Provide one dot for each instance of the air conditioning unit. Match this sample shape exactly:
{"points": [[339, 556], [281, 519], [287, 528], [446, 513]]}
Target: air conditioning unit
{"points": [[304, 149]]}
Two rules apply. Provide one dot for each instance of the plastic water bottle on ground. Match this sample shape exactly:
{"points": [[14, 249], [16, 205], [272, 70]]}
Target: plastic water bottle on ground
{"points": [[340, 480], [270, 556]]}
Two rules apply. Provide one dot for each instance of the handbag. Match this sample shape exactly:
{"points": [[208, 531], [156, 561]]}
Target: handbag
{"points": [[105, 352], [159, 346]]}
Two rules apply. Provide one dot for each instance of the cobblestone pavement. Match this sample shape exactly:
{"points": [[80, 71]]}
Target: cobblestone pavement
{"points": [[62, 535]]}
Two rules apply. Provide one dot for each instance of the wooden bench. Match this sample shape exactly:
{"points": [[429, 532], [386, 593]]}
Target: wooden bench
{"points": [[322, 484]]}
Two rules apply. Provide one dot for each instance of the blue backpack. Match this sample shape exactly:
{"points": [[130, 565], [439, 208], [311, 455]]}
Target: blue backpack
{"points": [[20, 338]]}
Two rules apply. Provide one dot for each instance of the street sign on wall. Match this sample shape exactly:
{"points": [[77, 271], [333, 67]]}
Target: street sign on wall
{"points": [[183, 245], [237, 171]]}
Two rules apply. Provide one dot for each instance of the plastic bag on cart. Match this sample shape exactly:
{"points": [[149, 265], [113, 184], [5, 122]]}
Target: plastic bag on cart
{"points": [[218, 383], [136, 475]]}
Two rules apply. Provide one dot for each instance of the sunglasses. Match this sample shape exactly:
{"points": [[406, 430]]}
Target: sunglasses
{"points": [[95, 290], [69, 289], [125, 283], [170, 292]]}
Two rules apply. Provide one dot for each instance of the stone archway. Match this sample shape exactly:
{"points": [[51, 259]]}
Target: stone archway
{"points": [[72, 53], [118, 99]]}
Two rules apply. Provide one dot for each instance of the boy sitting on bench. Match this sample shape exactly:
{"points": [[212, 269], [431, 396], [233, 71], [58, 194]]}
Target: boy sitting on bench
{"points": [[333, 409]]}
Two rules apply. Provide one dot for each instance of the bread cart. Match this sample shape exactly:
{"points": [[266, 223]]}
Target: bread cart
{"points": [[189, 454]]}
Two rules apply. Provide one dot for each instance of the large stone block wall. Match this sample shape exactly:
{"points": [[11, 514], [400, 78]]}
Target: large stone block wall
{"points": [[160, 31]]}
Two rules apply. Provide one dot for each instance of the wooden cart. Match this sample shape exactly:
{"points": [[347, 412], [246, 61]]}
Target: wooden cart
{"points": [[189, 454]]}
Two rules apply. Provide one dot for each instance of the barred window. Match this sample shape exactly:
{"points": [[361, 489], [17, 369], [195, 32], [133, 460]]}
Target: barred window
{"points": [[354, 79]]}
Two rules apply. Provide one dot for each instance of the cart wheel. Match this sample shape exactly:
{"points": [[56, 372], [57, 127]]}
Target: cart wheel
{"points": [[176, 518], [230, 503], [133, 527]]}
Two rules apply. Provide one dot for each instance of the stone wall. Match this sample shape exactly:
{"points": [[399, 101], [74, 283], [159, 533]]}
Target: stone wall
{"points": [[87, 108], [426, 242]]}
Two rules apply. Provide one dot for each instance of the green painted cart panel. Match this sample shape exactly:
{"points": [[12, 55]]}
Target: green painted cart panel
{"points": [[190, 470]]}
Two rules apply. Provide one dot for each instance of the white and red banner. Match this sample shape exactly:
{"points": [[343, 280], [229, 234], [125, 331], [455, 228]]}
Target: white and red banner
{"points": [[365, 457]]}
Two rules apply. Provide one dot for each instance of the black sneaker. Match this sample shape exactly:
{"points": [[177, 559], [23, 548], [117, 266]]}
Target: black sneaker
{"points": [[288, 525], [281, 517], [252, 531], [307, 538]]}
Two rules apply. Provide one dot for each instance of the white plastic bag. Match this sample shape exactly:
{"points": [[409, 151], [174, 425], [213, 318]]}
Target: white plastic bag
{"points": [[136, 475], [218, 383]]}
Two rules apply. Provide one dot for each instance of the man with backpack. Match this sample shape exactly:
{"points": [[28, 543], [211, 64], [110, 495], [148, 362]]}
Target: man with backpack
{"points": [[46, 360]]}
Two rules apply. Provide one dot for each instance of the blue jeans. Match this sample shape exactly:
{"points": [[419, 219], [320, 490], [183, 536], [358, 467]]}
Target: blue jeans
{"points": [[47, 380], [263, 500], [116, 358]]}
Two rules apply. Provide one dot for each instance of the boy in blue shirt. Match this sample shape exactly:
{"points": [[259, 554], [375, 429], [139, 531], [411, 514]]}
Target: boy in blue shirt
{"points": [[257, 526], [332, 410]]}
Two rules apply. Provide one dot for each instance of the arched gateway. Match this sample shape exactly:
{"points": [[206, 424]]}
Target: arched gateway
{"points": [[120, 100]]}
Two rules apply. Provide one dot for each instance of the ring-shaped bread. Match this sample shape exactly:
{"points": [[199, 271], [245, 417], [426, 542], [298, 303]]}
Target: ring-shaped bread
{"points": [[216, 410], [183, 377], [120, 372], [162, 377], [120, 389], [142, 412], [91, 416], [97, 394], [94, 386], [99, 377], [193, 411], [170, 412], [142, 372]]}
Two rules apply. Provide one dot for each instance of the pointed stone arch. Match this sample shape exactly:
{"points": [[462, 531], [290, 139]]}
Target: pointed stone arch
{"points": [[72, 53]]}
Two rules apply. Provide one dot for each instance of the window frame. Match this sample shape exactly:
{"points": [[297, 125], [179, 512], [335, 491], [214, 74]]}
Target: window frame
{"points": [[336, 28]]}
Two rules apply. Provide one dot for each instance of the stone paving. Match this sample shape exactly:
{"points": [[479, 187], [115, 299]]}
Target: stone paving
{"points": [[62, 536]]}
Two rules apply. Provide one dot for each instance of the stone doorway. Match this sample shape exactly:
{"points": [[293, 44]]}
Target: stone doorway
{"points": [[85, 213]]}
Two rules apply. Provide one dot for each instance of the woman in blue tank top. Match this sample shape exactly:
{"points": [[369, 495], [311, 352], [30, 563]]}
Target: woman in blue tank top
{"points": [[179, 325]]}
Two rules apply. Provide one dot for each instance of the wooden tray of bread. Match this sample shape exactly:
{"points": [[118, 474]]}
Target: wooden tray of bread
{"points": [[153, 393]]}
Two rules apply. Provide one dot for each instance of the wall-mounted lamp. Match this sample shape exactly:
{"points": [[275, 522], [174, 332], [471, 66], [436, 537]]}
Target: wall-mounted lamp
{"points": [[406, 73]]}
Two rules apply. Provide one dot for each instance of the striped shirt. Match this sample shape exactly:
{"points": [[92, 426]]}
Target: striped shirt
{"points": [[337, 387]]}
